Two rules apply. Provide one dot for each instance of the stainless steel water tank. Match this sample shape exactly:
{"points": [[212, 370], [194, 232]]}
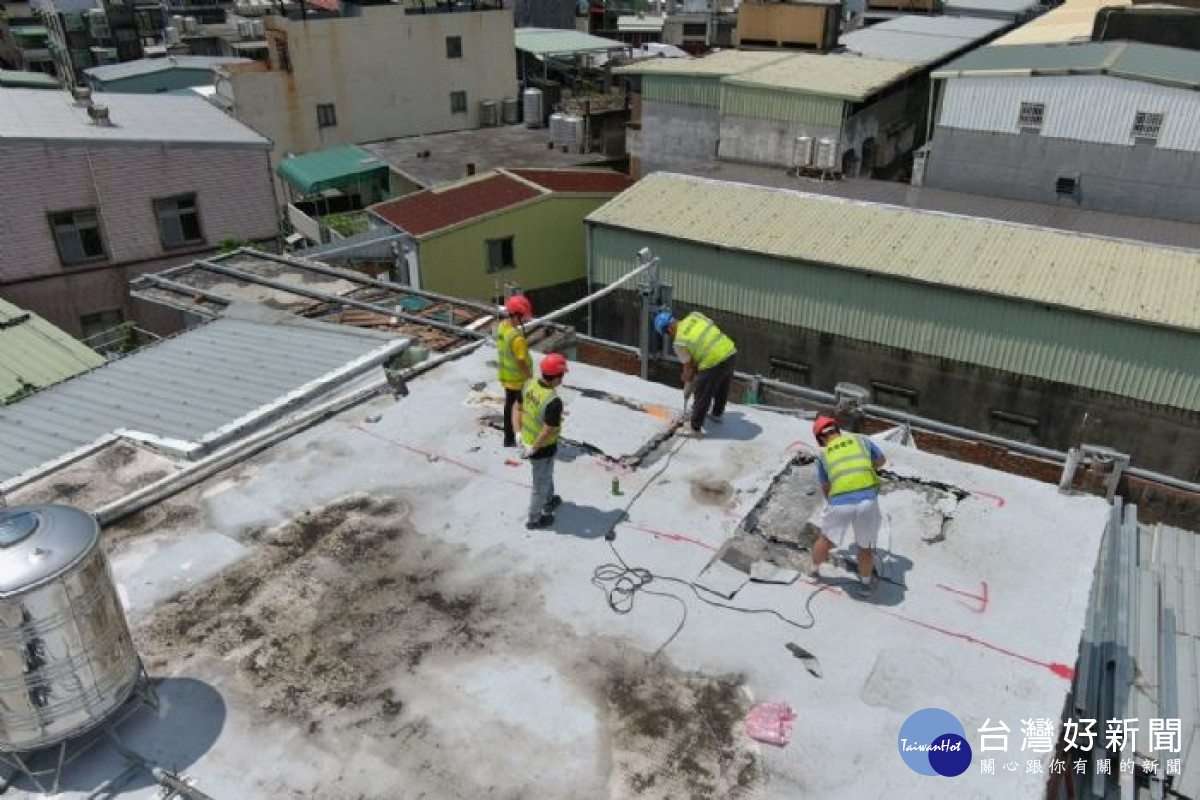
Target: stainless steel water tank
{"points": [[510, 111], [531, 101], [66, 657]]}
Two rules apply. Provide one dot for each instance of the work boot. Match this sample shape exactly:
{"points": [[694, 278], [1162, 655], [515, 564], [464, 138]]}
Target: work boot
{"points": [[544, 521], [863, 588], [688, 432], [717, 418], [510, 442], [551, 504]]}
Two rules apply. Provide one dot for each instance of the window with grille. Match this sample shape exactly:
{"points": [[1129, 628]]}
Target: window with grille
{"points": [[1147, 125], [454, 47], [326, 115], [694, 30], [1066, 186], [77, 236], [500, 254], [178, 221], [458, 102], [1031, 117]]}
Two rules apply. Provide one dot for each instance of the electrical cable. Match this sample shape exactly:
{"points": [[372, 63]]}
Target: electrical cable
{"points": [[621, 583]]}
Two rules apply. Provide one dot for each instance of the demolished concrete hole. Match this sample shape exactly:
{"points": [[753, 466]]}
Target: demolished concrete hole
{"points": [[329, 603]]}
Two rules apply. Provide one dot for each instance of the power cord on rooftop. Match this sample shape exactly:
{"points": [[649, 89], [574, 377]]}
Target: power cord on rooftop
{"points": [[621, 583]]}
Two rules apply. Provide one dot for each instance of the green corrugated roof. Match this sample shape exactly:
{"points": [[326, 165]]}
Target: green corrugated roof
{"points": [[335, 168], [553, 42], [34, 353], [29, 30], [1152, 63], [1109, 277], [27, 80]]}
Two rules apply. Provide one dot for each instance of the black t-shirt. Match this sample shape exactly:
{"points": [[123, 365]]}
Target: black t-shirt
{"points": [[554, 413]]}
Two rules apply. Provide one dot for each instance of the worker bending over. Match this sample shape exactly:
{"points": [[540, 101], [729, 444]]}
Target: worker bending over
{"points": [[515, 365], [847, 470], [541, 420], [709, 361]]}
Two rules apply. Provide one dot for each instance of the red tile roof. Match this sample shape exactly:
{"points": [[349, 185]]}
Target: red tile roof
{"points": [[433, 210], [578, 180]]}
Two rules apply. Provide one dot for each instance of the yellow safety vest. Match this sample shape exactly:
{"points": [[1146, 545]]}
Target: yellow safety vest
{"points": [[534, 400], [703, 341], [510, 368], [847, 462]]}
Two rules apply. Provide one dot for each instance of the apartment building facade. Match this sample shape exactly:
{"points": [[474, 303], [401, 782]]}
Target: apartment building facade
{"points": [[93, 197]]}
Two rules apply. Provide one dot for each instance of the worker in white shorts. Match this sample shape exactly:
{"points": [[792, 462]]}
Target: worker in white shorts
{"points": [[847, 470]]}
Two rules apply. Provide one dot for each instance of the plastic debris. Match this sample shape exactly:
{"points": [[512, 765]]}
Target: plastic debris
{"points": [[771, 723]]}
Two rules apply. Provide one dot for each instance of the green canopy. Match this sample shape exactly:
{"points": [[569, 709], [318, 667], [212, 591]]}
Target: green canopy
{"points": [[337, 168]]}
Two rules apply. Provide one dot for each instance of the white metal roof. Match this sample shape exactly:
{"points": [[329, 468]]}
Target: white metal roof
{"points": [[921, 40], [40, 115]]}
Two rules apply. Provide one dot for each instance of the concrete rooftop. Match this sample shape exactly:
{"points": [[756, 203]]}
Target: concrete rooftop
{"points": [[486, 148], [359, 611]]}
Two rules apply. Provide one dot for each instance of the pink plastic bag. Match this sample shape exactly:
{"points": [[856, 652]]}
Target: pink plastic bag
{"points": [[771, 723]]}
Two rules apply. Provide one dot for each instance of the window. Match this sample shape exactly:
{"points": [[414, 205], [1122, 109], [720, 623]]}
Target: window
{"points": [[695, 30], [453, 47], [178, 221], [1146, 126], [326, 116], [500, 254], [1067, 186], [1031, 117], [894, 395], [458, 102], [788, 371], [77, 234], [101, 331]]}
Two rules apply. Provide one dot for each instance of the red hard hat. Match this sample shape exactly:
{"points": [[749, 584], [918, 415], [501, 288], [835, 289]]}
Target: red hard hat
{"points": [[518, 305], [553, 365], [822, 424]]}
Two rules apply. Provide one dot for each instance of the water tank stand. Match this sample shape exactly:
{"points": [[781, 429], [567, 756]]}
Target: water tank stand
{"points": [[44, 768]]}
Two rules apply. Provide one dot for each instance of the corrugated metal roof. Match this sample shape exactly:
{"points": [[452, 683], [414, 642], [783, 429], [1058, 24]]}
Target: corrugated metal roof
{"points": [[1002, 9], [921, 40], [331, 169], [36, 115], [27, 80], [34, 353], [1070, 22], [1170, 66], [717, 65], [437, 209], [1155, 285], [185, 388], [150, 66], [552, 42], [843, 76]]}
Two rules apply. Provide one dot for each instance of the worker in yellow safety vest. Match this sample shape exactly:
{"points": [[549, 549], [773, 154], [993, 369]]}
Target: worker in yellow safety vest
{"points": [[512, 353], [709, 362], [541, 421], [847, 470]]}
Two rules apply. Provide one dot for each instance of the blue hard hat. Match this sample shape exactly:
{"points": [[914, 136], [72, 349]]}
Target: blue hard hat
{"points": [[662, 319]]}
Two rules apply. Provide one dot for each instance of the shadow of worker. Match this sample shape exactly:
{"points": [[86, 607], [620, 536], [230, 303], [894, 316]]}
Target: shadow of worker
{"points": [[891, 576], [585, 522], [735, 426]]}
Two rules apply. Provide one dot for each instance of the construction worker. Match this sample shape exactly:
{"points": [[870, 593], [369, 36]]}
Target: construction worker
{"points": [[516, 368], [541, 420], [709, 361], [847, 471]]}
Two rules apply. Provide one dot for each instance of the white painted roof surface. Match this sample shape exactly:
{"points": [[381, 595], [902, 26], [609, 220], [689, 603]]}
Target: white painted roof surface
{"points": [[150, 66], [528, 708], [39, 115]]}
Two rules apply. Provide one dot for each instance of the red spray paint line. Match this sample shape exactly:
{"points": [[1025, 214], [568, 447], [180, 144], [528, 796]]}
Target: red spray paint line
{"points": [[674, 537], [438, 457], [982, 598], [999, 501], [1061, 670]]}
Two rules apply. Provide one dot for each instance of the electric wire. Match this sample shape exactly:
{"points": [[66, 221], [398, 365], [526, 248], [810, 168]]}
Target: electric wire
{"points": [[621, 582]]}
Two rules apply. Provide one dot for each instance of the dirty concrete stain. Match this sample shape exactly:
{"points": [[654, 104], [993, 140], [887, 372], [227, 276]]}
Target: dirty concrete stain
{"points": [[711, 491], [680, 736], [330, 601]]}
